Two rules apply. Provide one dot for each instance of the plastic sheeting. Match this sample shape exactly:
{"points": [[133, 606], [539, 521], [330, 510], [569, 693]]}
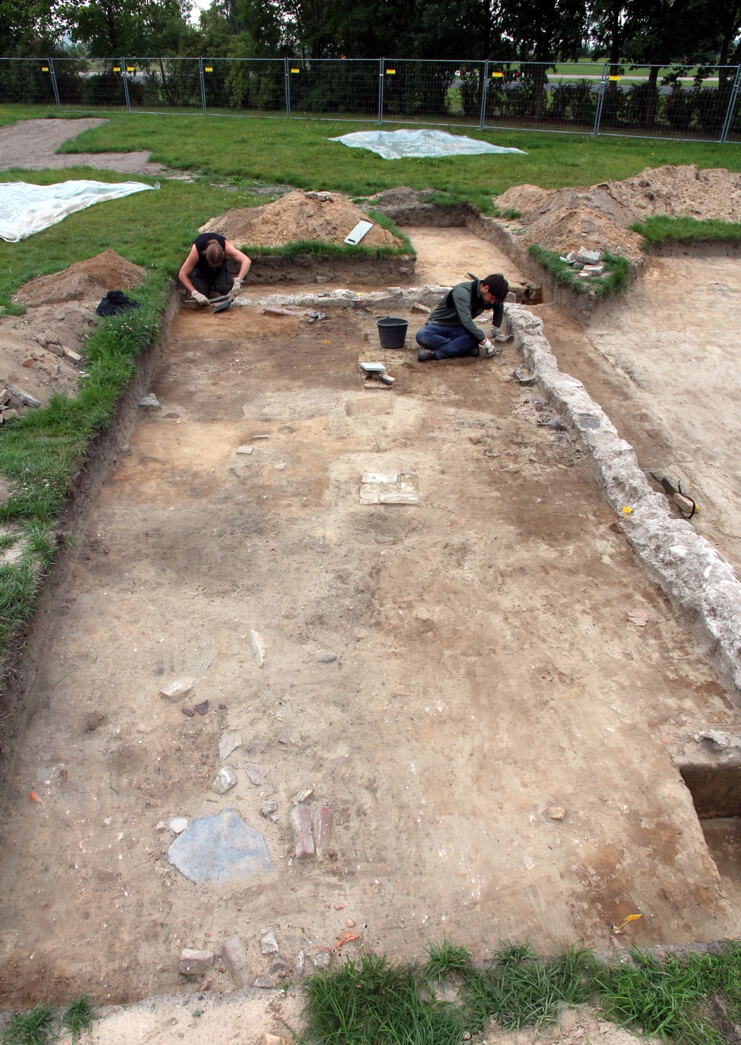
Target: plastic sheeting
{"points": [[26, 209], [396, 145]]}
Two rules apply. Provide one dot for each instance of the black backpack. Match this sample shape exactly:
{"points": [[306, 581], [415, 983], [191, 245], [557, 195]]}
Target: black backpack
{"points": [[114, 302]]}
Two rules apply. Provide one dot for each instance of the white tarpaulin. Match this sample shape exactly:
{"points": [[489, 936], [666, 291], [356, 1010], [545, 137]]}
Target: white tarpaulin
{"points": [[26, 209], [396, 145]]}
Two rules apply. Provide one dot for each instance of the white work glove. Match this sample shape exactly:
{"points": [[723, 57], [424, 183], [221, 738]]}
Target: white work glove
{"points": [[199, 298], [488, 347], [236, 287]]}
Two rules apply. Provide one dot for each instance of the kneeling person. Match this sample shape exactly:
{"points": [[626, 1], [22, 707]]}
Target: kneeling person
{"points": [[205, 270], [450, 331]]}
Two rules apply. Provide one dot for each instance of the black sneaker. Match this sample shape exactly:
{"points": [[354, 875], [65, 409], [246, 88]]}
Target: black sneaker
{"points": [[475, 351], [425, 355]]}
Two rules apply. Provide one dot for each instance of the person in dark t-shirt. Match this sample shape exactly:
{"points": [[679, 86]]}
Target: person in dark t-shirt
{"points": [[205, 272]]}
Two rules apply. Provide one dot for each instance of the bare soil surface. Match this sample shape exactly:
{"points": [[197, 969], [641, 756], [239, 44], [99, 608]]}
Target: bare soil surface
{"points": [[662, 365], [483, 687], [487, 670], [31, 145]]}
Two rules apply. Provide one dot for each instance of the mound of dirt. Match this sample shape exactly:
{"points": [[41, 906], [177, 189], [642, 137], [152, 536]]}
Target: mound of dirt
{"points": [[42, 350], [601, 216], [299, 215], [106, 271]]}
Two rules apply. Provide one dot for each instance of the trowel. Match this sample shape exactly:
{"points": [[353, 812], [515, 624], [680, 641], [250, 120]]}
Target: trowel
{"points": [[221, 304], [376, 372]]}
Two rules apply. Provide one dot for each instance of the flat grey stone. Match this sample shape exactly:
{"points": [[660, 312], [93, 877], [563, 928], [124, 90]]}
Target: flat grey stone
{"points": [[224, 780], [219, 848]]}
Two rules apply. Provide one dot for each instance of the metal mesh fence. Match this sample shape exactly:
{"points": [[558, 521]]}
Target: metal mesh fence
{"points": [[27, 81], [681, 102], [333, 86], [244, 85]]}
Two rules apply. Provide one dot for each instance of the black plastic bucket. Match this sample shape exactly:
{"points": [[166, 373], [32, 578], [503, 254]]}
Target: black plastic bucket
{"points": [[392, 332]]}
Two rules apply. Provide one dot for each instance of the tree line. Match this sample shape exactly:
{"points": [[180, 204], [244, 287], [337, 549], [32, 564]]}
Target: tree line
{"points": [[657, 32]]}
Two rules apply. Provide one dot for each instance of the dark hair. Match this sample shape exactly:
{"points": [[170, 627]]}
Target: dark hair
{"points": [[498, 286]]}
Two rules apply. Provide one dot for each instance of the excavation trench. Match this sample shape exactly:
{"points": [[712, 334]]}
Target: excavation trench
{"points": [[485, 689]]}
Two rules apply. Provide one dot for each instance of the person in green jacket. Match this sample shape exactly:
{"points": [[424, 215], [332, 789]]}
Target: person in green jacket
{"points": [[450, 331]]}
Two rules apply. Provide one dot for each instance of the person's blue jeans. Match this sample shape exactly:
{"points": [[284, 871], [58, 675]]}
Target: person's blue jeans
{"points": [[445, 342]]}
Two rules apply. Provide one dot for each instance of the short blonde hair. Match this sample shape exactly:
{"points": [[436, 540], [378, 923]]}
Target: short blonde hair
{"points": [[214, 253]]}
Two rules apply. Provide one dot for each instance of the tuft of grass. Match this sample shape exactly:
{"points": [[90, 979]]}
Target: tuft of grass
{"points": [[662, 229], [78, 1016], [669, 997], [614, 281], [35, 1027], [521, 989], [376, 1002], [445, 958]]}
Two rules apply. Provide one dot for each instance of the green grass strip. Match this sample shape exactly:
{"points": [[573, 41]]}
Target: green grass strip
{"points": [[662, 229], [614, 281], [694, 999], [377, 1003]]}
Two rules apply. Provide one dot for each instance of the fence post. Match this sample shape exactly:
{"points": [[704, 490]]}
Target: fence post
{"points": [[600, 99], [731, 105], [287, 84], [202, 79], [484, 89], [381, 67], [125, 81], [53, 78]]}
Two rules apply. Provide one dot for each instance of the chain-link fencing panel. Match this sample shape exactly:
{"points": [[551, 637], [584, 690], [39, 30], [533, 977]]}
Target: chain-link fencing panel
{"points": [[419, 90], [677, 101], [90, 83], [245, 85], [543, 96], [164, 84], [333, 86], [26, 81]]}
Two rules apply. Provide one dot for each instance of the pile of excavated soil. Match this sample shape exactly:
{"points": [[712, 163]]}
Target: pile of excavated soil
{"points": [[42, 350], [106, 271], [299, 215], [601, 216]]}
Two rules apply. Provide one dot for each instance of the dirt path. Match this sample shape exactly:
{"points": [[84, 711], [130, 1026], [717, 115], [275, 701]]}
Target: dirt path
{"points": [[32, 144]]}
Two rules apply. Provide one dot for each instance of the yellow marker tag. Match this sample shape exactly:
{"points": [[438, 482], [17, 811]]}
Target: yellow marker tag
{"points": [[614, 78], [295, 70], [129, 68], [117, 68], [627, 511], [208, 68], [497, 74], [44, 68], [630, 918], [391, 72]]}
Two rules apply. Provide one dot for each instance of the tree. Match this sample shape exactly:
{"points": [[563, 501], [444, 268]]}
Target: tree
{"points": [[541, 33], [27, 27], [128, 27]]}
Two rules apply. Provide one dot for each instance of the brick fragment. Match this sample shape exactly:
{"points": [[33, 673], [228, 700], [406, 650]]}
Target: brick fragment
{"points": [[301, 820], [195, 963], [234, 956], [321, 823]]}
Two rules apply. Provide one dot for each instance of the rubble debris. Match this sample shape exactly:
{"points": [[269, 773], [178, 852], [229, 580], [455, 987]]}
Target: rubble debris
{"points": [[194, 962]]}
